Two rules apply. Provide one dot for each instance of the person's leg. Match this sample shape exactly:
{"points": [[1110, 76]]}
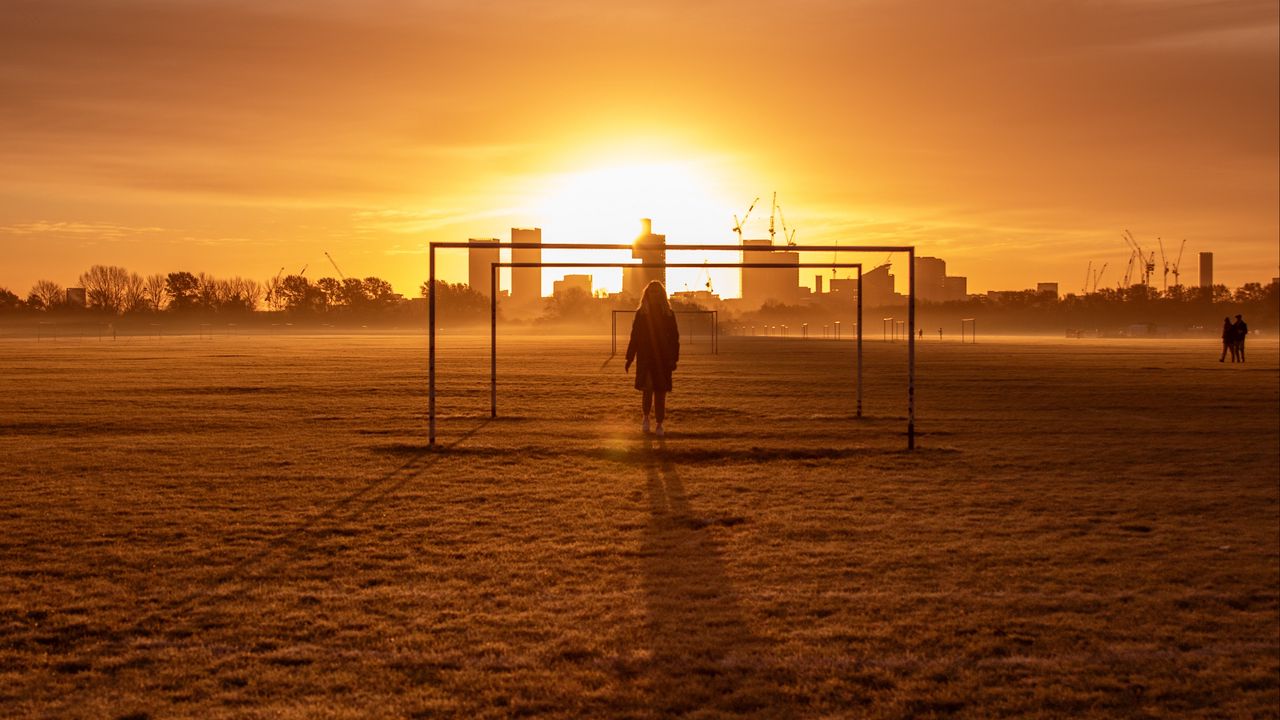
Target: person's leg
{"points": [[660, 401], [1241, 351], [647, 402], [1225, 347]]}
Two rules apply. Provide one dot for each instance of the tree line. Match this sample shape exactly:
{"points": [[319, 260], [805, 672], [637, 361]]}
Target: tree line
{"points": [[114, 290]]}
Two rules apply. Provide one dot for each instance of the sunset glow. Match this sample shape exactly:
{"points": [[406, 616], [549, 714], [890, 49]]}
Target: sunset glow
{"points": [[605, 203], [1017, 142]]}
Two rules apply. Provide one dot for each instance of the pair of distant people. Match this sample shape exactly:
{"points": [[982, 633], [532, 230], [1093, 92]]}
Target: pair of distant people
{"points": [[1233, 339]]}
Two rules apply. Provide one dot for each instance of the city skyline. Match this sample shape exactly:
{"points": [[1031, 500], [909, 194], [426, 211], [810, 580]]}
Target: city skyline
{"points": [[239, 138]]}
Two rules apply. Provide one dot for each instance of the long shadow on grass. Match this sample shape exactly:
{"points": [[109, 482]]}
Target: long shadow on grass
{"points": [[703, 655], [282, 549]]}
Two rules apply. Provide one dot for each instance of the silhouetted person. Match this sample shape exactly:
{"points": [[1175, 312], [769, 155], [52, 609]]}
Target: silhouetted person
{"points": [[655, 348], [1228, 340], [939, 333], [1241, 330]]}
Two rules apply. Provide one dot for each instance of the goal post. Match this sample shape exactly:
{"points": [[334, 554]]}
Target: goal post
{"points": [[713, 330], [910, 250]]}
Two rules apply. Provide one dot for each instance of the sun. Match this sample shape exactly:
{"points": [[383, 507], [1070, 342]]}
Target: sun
{"points": [[604, 204]]}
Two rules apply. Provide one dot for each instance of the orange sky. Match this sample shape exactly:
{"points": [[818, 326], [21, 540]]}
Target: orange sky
{"points": [[1015, 139]]}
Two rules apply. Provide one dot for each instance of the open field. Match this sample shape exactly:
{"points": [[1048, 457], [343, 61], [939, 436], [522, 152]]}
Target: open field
{"points": [[253, 526]]}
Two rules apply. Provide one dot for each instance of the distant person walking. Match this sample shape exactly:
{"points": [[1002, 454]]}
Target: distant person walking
{"points": [[655, 348], [1228, 340], [1242, 329]]}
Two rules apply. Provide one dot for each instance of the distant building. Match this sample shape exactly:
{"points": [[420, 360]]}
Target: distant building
{"points": [[934, 285], [702, 298], [481, 256], [570, 282], [931, 279], [877, 287], [817, 284], [526, 283], [1206, 269], [76, 297], [844, 286], [760, 285], [1047, 288], [647, 248]]}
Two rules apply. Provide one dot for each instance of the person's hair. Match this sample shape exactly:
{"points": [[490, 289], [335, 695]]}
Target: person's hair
{"points": [[1239, 318], [654, 298]]}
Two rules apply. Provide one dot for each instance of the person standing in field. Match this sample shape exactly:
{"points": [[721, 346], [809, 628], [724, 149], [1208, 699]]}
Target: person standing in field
{"points": [[1241, 330], [655, 349], [1228, 340]]}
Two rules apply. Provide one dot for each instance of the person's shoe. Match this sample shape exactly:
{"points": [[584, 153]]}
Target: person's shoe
{"points": [[644, 426], [660, 432]]}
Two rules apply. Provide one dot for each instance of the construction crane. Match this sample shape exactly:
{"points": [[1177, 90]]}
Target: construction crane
{"points": [[1088, 275], [707, 274], [335, 267], [1177, 278], [1128, 271], [772, 209], [303, 271], [737, 224], [790, 237], [1147, 263], [1097, 277], [1165, 263]]}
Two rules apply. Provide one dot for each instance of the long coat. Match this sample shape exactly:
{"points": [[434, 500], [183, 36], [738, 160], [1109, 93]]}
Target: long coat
{"points": [[655, 346]]}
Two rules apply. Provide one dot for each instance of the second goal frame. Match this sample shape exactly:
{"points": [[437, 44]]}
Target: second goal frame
{"points": [[714, 335], [432, 247]]}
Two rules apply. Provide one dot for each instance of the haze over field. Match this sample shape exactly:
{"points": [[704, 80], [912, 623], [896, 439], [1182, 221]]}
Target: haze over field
{"points": [[1015, 139]]}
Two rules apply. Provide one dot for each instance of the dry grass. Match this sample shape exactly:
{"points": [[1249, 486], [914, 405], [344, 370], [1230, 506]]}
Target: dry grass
{"points": [[253, 527]]}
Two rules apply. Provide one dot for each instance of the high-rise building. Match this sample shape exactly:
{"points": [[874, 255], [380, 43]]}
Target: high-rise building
{"points": [[1050, 288], [647, 248], [481, 256], [1206, 269], [526, 283], [957, 287], [761, 285], [931, 279]]}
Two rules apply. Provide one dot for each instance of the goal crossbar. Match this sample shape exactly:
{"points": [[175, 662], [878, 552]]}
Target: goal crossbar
{"points": [[431, 300]]}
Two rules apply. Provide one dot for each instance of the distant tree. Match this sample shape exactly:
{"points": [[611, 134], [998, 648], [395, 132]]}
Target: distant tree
{"points": [[299, 295], [153, 289], [210, 292], [332, 290], [271, 294], [183, 290], [46, 295], [379, 293], [1250, 292], [9, 301], [106, 287], [239, 295], [458, 302], [353, 294], [134, 294], [573, 305]]}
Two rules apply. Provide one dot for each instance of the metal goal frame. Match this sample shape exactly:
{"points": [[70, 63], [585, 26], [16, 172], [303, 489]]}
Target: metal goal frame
{"points": [[910, 250]]}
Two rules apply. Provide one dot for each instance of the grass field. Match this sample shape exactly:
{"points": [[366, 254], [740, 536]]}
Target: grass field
{"points": [[254, 527]]}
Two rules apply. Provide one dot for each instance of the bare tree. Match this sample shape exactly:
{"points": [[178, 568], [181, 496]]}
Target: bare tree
{"points": [[46, 295], [271, 290], [134, 293], [241, 294], [154, 290], [105, 287]]}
